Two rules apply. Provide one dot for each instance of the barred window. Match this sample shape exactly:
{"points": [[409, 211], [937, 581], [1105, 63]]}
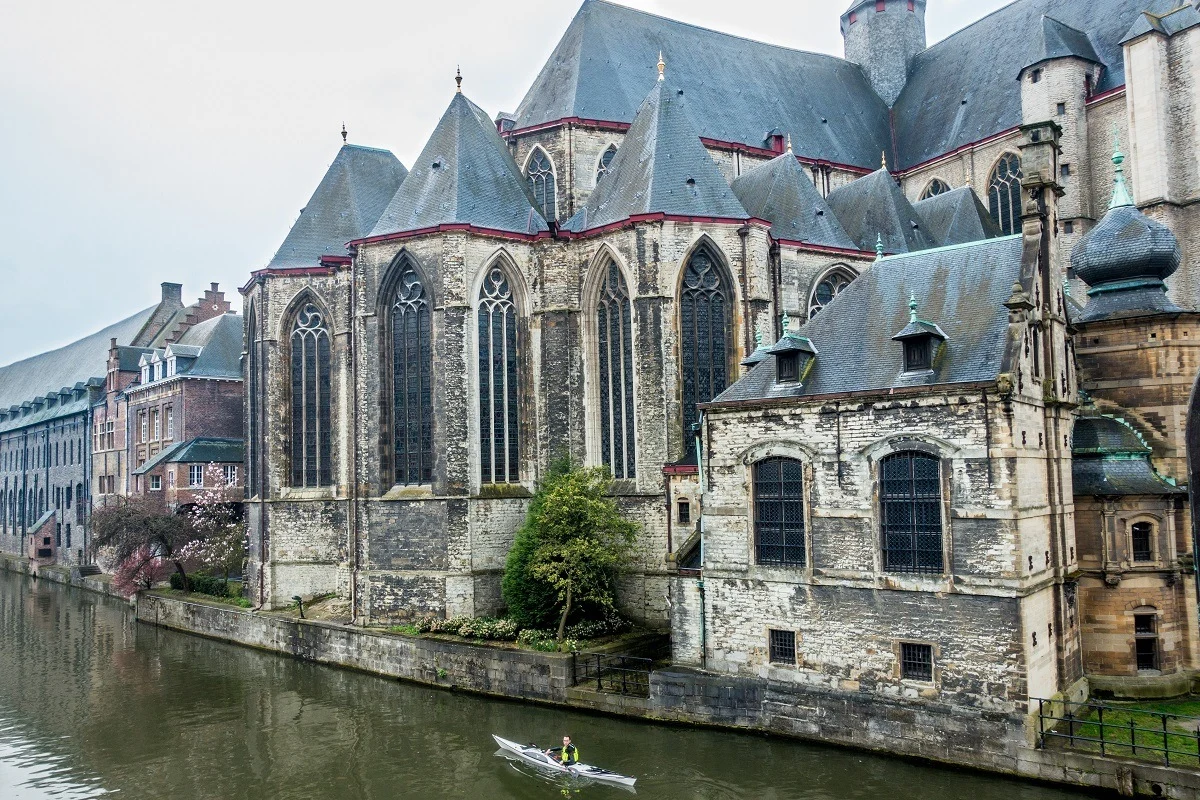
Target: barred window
{"points": [[782, 646], [311, 417], [916, 662], [1004, 193], [412, 366], [605, 160], [1143, 549], [615, 343], [540, 175], [498, 387], [706, 320], [1145, 632], [936, 186], [828, 287], [912, 513], [779, 512]]}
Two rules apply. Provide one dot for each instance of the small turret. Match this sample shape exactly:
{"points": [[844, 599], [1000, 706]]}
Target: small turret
{"points": [[883, 37]]}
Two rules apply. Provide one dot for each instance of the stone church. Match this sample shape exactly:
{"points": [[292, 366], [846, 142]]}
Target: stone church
{"points": [[887, 357]]}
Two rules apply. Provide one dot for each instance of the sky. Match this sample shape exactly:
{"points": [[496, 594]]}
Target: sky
{"points": [[143, 141]]}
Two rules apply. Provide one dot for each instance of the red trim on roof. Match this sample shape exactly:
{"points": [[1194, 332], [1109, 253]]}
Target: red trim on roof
{"points": [[629, 222], [334, 261], [274, 272], [449, 228], [820, 248], [680, 469], [958, 151], [1097, 98]]}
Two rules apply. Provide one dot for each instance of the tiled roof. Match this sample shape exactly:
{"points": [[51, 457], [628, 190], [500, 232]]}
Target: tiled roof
{"points": [[781, 193], [47, 412], [874, 206], [219, 343], [661, 167], [956, 217], [1098, 435], [346, 205], [201, 450], [465, 174], [1059, 40], [1185, 15], [1110, 458]]}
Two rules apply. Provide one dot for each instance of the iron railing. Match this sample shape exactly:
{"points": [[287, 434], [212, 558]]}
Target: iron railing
{"points": [[613, 673], [1124, 731]]}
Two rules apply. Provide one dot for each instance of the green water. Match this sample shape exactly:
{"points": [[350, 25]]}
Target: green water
{"points": [[93, 703]]}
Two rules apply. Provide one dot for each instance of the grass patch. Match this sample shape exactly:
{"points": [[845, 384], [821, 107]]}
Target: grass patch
{"points": [[1137, 730]]}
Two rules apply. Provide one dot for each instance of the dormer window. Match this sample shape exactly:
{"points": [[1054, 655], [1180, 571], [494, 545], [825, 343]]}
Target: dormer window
{"points": [[145, 374], [920, 339], [792, 354], [789, 368], [917, 354]]}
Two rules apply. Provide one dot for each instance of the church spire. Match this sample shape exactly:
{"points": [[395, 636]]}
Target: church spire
{"points": [[879, 247], [344, 134], [458, 79], [912, 307], [1121, 196]]}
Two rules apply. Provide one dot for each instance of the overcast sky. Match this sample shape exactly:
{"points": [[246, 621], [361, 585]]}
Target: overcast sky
{"points": [[143, 141]]}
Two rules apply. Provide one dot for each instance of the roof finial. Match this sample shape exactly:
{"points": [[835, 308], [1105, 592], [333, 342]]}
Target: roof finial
{"points": [[912, 307], [1121, 196], [883, 160], [458, 79], [757, 337], [662, 67], [789, 144], [786, 322], [343, 133], [1066, 286], [879, 247]]}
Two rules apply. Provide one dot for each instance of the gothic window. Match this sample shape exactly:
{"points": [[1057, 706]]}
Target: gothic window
{"points": [[936, 186], [779, 512], [614, 338], [540, 174], [912, 513], [1142, 535], [1004, 193], [498, 387], [252, 424], [605, 160], [412, 366], [706, 319], [311, 419], [828, 287]]}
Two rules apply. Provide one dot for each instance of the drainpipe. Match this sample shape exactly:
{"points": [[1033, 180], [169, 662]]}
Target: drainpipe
{"points": [[696, 429]]}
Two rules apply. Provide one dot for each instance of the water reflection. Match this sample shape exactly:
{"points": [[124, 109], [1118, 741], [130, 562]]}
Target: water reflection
{"points": [[93, 703]]}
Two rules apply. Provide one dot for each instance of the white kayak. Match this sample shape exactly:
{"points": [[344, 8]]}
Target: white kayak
{"points": [[538, 758]]}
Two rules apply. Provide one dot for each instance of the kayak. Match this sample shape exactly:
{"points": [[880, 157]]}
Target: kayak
{"points": [[538, 758]]}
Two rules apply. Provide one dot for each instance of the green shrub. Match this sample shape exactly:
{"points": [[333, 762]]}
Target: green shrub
{"points": [[202, 584]]}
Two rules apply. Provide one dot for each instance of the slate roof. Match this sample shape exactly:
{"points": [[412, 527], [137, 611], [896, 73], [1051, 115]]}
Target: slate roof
{"points": [[201, 450], [956, 217], [781, 193], [465, 174], [219, 344], [661, 167], [1110, 458], [873, 206], [740, 90], [962, 289], [1106, 436], [1059, 40], [47, 412], [1170, 23], [346, 205], [66, 366]]}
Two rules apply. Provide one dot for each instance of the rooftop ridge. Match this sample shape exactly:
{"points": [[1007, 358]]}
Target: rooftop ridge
{"points": [[948, 247]]}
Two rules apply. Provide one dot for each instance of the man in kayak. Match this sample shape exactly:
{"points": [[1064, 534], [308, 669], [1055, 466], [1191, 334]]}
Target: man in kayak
{"points": [[568, 754]]}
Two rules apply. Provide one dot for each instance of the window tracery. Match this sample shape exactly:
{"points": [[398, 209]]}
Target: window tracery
{"points": [[706, 322], [614, 337], [498, 383], [540, 175], [412, 366], [311, 436], [936, 186], [828, 287], [1004, 193], [605, 160]]}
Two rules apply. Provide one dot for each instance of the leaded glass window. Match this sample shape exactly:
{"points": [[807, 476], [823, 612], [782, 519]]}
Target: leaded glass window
{"points": [[540, 174], [779, 512], [1004, 193], [605, 160], [830, 286], [412, 365], [614, 338], [936, 186], [912, 513], [311, 435], [706, 321], [498, 387]]}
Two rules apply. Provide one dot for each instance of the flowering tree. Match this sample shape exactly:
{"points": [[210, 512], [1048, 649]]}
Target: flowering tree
{"points": [[219, 544], [140, 570], [141, 540]]}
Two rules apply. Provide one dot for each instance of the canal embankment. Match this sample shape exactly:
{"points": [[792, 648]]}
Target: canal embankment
{"points": [[89, 579]]}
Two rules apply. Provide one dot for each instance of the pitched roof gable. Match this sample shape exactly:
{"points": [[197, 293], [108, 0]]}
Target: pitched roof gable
{"points": [[465, 175], [346, 205], [874, 206], [956, 217], [781, 193]]}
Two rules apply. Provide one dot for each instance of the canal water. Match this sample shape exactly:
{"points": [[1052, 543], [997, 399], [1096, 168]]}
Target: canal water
{"points": [[93, 703]]}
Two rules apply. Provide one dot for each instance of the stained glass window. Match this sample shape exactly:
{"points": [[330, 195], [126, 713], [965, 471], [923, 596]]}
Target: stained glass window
{"points": [[540, 175], [830, 286], [706, 322], [936, 186], [779, 512], [1004, 193], [311, 435], [412, 365], [605, 160], [498, 388], [912, 513], [614, 337]]}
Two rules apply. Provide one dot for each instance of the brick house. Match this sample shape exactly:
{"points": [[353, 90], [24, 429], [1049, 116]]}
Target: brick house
{"points": [[176, 474]]}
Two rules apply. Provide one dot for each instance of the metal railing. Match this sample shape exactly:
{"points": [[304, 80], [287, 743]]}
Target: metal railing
{"points": [[613, 673], [1124, 731]]}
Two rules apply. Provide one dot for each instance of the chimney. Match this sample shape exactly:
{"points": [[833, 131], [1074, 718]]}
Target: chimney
{"points": [[172, 293]]}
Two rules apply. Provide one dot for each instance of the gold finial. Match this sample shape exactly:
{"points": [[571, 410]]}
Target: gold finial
{"points": [[343, 133], [458, 79], [662, 67], [883, 160], [789, 144]]}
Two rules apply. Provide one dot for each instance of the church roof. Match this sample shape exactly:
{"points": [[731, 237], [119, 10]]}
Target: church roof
{"points": [[874, 206], [963, 287], [346, 205], [1175, 20], [661, 167], [781, 193], [465, 175], [956, 217], [739, 90], [1059, 40]]}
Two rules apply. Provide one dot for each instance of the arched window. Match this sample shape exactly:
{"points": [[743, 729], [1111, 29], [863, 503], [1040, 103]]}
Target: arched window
{"points": [[1004, 193], [828, 287], [1142, 535], [540, 174], [779, 512], [498, 387], [252, 390], [912, 513], [605, 160], [614, 338], [412, 366], [706, 322], [936, 186], [311, 419]]}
